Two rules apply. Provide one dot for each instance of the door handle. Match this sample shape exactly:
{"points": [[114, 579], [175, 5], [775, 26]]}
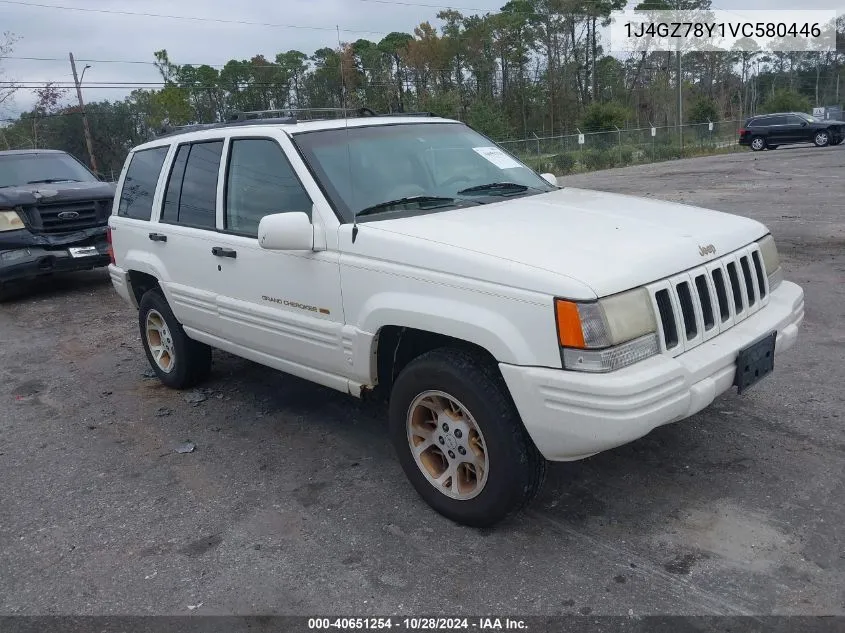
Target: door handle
{"points": [[158, 237], [219, 251]]}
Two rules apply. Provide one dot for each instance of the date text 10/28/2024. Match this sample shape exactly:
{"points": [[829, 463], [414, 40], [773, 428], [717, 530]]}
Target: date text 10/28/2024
{"points": [[418, 624]]}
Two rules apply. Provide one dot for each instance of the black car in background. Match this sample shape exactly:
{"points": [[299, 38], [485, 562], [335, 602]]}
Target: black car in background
{"points": [[53, 216], [769, 131]]}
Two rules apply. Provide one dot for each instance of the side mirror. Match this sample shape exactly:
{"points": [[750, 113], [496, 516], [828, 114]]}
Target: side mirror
{"points": [[549, 178], [286, 232]]}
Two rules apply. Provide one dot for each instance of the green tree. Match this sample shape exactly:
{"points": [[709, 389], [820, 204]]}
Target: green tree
{"points": [[703, 110], [786, 101], [600, 117], [394, 45]]}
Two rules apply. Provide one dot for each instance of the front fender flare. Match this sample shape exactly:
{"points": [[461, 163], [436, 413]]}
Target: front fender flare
{"points": [[469, 322]]}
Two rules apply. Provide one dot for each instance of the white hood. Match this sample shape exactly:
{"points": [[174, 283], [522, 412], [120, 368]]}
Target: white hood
{"points": [[609, 242]]}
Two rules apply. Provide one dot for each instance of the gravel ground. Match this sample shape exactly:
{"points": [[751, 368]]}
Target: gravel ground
{"points": [[293, 503]]}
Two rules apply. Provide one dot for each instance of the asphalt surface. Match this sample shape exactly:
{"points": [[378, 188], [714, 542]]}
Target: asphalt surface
{"points": [[293, 503]]}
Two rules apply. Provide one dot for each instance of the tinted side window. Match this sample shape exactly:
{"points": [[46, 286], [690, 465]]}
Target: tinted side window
{"points": [[170, 209], [191, 197], [777, 120], [139, 186], [260, 181], [794, 120]]}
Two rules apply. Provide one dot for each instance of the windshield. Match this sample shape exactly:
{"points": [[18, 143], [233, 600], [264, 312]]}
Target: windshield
{"points": [[395, 162], [23, 169]]}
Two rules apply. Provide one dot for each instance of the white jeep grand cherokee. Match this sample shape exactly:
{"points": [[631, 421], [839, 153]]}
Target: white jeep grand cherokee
{"points": [[507, 320]]}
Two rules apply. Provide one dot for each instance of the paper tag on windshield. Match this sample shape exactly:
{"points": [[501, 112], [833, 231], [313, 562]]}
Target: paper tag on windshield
{"points": [[497, 157]]}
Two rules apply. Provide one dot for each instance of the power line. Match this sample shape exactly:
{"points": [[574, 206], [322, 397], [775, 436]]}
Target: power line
{"points": [[429, 6], [184, 17]]}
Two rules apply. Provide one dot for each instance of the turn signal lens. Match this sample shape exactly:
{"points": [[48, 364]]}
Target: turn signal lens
{"points": [[569, 330]]}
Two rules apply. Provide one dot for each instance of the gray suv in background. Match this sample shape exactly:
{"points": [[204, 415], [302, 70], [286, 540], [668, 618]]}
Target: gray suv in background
{"points": [[53, 216]]}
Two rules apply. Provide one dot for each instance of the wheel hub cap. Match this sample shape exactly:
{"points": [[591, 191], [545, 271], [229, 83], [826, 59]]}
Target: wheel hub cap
{"points": [[447, 445], [160, 341]]}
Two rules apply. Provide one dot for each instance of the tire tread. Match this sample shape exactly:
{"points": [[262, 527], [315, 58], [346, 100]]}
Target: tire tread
{"points": [[197, 356], [478, 370]]}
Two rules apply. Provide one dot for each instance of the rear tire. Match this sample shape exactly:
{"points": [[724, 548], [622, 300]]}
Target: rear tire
{"points": [[454, 408], [822, 138], [758, 143], [178, 361]]}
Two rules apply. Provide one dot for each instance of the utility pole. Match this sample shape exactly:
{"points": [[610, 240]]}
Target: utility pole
{"points": [[85, 127]]}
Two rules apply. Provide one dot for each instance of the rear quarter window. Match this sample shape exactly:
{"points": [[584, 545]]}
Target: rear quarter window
{"points": [[139, 186]]}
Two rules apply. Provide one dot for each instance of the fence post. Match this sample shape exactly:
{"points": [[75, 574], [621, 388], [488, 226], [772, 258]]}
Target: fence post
{"points": [[653, 134], [619, 135], [580, 146], [538, 147]]}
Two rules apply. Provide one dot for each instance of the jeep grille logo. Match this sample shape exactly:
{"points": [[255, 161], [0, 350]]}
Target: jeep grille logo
{"points": [[68, 215], [707, 250]]}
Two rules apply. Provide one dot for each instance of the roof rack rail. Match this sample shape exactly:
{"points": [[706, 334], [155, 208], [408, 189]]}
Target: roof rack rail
{"points": [[280, 116], [409, 114], [304, 113], [168, 130]]}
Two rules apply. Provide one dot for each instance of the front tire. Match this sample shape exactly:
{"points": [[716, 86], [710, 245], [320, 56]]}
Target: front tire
{"points": [[822, 138], [178, 361], [460, 440], [758, 143]]}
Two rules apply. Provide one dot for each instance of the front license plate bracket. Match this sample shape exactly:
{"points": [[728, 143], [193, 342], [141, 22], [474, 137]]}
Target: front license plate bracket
{"points": [[755, 362], [83, 251]]}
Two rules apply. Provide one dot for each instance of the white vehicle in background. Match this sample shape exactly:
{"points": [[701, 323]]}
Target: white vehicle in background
{"points": [[508, 321]]}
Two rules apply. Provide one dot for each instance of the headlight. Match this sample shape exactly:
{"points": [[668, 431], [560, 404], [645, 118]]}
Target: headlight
{"points": [[608, 334], [771, 261], [10, 221]]}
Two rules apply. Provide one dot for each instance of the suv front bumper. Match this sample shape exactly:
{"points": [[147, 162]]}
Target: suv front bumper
{"points": [[572, 415]]}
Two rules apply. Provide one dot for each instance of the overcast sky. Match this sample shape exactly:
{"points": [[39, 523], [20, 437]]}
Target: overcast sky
{"points": [[53, 32]]}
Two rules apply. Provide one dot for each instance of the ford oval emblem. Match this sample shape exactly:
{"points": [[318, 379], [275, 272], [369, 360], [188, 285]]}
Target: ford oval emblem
{"points": [[68, 215]]}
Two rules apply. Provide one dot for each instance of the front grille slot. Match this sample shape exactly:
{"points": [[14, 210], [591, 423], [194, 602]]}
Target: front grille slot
{"points": [[66, 217], [706, 305], [749, 282], [721, 295], [702, 302], [667, 318], [687, 310], [737, 292], [761, 277]]}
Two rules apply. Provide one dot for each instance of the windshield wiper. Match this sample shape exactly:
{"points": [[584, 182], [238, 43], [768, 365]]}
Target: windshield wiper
{"points": [[381, 206], [496, 188], [49, 180]]}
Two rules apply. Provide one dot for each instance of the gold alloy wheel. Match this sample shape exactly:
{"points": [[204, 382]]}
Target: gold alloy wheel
{"points": [[447, 445], [159, 341]]}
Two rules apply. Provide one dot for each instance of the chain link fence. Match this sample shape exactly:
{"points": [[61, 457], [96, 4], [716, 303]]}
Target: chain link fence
{"points": [[574, 153]]}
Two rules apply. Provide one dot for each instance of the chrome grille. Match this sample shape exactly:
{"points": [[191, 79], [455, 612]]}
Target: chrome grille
{"points": [[65, 217], [698, 304]]}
